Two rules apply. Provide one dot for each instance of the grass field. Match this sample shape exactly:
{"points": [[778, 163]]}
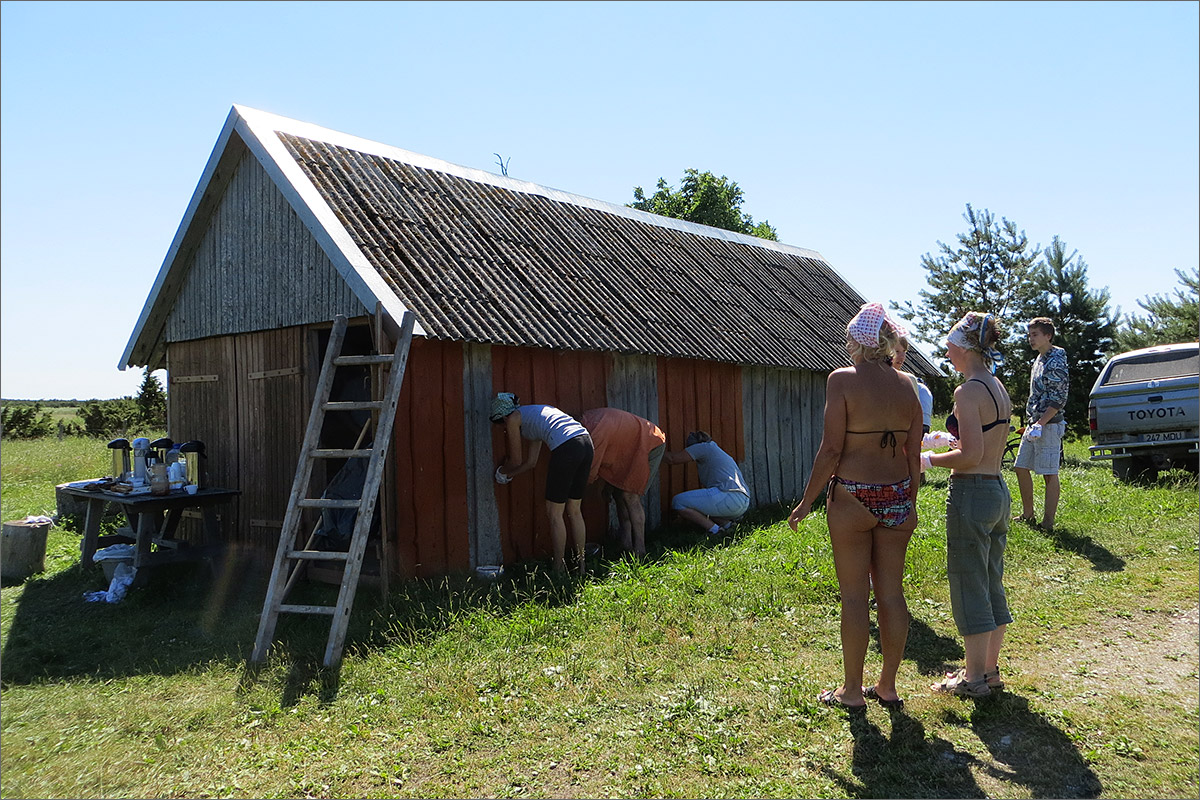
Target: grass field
{"points": [[691, 674]]}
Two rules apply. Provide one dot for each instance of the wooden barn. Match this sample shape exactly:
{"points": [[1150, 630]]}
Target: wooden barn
{"points": [[515, 287]]}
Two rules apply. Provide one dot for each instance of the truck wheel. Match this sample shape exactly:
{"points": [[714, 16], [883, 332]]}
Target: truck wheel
{"points": [[1134, 469]]}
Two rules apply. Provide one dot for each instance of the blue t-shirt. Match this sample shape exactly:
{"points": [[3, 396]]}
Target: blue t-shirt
{"points": [[549, 425], [717, 469]]}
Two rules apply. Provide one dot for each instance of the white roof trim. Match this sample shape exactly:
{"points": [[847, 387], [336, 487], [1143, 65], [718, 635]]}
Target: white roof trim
{"points": [[180, 233], [258, 129], [266, 120]]}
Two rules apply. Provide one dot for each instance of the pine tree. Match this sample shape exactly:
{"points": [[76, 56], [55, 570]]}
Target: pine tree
{"points": [[1169, 321], [988, 271], [1083, 326], [152, 402]]}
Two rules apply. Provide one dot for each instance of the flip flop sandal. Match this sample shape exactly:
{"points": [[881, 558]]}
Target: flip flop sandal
{"points": [[870, 693], [830, 699], [959, 686], [994, 681]]}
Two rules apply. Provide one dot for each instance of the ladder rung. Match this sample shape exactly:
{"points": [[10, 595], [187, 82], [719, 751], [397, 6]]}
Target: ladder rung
{"points": [[353, 405], [289, 609], [319, 555], [341, 453], [356, 361], [321, 502]]}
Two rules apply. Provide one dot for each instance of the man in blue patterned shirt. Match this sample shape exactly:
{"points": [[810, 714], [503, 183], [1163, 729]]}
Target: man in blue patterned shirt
{"points": [[1045, 423]]}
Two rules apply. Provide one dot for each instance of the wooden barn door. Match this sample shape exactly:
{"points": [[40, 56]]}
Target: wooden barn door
{"points": [[202, 404], [272, 410]]}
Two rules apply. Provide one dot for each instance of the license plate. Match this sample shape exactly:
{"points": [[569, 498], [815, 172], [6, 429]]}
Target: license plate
{"points": [[1164, 436]]}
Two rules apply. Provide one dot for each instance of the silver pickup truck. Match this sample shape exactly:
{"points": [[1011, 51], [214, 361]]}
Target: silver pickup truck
{"points": [[1144, 411]]}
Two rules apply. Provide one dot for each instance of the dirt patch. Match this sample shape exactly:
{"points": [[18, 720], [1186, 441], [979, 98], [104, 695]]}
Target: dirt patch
{"points": [[1149, 652]]}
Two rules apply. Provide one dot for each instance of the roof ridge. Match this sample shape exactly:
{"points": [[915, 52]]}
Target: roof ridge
{"points": [[264, 121]]}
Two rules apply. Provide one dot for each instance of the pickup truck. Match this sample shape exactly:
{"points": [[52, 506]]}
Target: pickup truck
{"points": [[1144, 411]]}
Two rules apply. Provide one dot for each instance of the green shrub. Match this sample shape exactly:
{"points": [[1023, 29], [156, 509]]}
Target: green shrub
{"points": [[26, 421]]}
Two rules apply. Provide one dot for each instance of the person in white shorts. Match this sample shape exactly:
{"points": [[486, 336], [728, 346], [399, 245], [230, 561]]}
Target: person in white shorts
{"points": [[724, 497], [1046, 424]]}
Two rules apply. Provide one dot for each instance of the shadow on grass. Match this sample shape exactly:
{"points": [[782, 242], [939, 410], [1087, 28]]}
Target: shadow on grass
{"points": [[182, 616], [185, 616], [1025, 748], [908, 763], [1029, 750], [1103, 559]]}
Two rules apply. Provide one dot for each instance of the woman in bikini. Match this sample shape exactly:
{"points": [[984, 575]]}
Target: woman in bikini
{"points": [[869, 462], [978, 506]]}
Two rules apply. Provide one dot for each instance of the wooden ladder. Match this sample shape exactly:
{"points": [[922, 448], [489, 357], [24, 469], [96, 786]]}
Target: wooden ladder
{"points": [[289, 559]]}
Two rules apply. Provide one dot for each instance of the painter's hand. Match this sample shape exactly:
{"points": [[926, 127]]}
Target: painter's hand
{"points": [[501, 477]]}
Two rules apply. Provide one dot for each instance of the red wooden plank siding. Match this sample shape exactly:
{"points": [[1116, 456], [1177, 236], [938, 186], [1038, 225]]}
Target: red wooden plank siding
{"points": [[428, 457], [406, 534], [458, 546], [573, 381], [428, 444], [697, 395]]}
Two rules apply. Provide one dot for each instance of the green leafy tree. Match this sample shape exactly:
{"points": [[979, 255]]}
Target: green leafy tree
{"points": [[988, 270], [1169, 320], [152, 401], [704, 198], [1083, 326]]}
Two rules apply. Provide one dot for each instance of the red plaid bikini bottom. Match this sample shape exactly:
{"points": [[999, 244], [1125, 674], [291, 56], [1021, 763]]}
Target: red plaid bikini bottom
{"points": [[889, 502]]}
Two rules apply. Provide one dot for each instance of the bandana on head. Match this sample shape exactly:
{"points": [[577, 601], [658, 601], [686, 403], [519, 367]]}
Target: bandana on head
{"points": [[974, 322], [502, 405], [864, 328]]}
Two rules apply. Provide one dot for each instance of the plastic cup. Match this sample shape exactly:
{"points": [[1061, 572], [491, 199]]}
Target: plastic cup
{"points": [[191, 488]]}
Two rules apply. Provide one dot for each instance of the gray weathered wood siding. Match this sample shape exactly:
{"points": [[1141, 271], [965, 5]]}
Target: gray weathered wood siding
{"points": [[633, 386], [483, 514], [783, 412], [257, 267]]}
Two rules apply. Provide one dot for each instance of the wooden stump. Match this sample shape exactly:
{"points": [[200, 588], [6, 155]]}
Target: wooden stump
{"points": [[70, 507], [23, 549]]}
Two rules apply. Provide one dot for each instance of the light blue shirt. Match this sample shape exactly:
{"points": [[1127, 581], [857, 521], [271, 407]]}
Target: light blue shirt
{"points": [[717, 469], [549, 425]]}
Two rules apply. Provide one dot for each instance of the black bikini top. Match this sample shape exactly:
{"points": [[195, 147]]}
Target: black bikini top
{"points": [[952, 421], [888, 438]]}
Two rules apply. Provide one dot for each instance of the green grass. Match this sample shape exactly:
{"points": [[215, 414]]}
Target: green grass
{"points": [[692, 674]]}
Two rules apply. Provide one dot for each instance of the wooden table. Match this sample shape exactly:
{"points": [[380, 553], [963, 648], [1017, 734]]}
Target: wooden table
{"points": [[154, 520]]}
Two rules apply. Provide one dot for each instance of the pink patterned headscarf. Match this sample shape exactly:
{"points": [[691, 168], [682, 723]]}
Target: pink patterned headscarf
{"points": [[864, 328]]}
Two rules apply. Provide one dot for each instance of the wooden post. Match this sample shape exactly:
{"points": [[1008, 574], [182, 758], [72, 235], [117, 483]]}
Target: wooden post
{"points": [[23, 549]]}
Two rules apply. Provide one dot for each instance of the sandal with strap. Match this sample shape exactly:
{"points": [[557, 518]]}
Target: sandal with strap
{"points": [[994, 681], [958, 685], [870, 693], [828, 698]]}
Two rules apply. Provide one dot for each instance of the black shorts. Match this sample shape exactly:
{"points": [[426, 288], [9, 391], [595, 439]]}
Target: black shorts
{"points": [[570, 464]]}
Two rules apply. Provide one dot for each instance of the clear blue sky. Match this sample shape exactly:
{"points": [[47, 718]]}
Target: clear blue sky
{"points": [[859, 130]]}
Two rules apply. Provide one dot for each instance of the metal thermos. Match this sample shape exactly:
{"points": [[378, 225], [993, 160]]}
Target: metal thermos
{"points": [[193, 453], [120, 459], [141, 451], [160, 448]]}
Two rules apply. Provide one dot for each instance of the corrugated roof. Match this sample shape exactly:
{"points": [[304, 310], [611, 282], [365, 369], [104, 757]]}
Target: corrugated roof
{"points": [[488, 258], [483, 263]]}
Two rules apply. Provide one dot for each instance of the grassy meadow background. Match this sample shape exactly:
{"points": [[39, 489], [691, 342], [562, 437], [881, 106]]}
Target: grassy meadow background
{"points": [[691, 674]]}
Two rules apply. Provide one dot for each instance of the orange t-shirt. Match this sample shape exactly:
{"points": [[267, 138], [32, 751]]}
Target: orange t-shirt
{"points": [[623, 442]]}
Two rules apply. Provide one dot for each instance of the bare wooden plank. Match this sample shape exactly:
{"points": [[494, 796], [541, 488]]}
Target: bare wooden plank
{"points": [[484, 521], [771, 450]]}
